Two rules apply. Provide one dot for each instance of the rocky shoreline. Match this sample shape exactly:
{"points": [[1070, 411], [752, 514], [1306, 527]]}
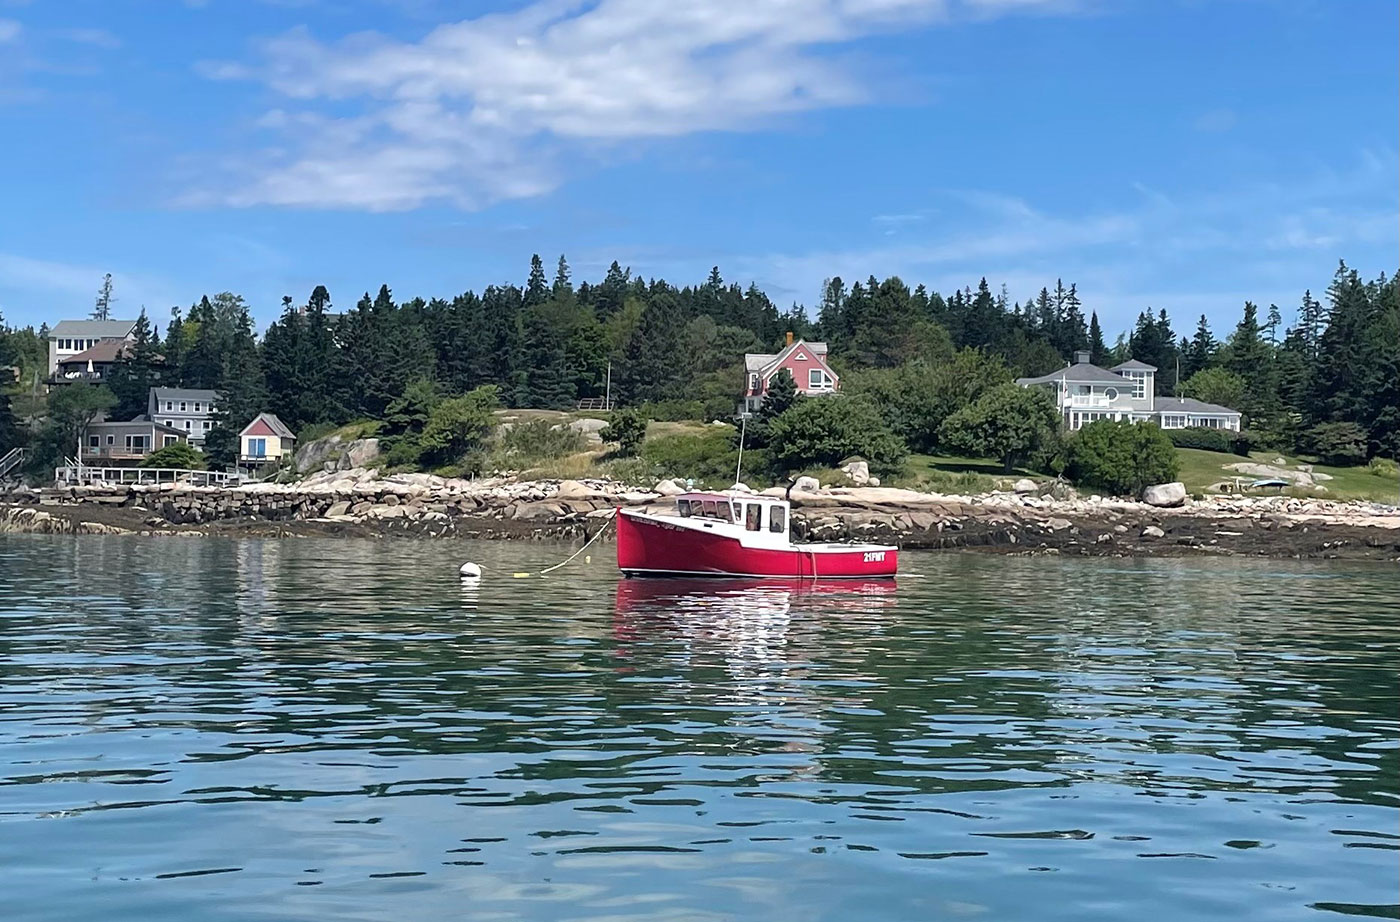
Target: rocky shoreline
{"points": [[360, 503]]}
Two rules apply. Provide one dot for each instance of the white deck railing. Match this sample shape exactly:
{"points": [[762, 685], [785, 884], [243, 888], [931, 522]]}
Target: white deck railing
{"points": [[74, 473]]}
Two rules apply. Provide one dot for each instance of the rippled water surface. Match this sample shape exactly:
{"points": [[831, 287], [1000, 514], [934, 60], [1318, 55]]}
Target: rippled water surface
{"points": [[299, 729]]}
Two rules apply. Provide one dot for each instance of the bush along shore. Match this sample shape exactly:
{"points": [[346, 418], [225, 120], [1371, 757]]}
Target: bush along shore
{"points": [[1053, 521]]}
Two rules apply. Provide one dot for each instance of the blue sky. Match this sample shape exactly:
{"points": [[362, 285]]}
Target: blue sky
{"points": [[1185, 154]]}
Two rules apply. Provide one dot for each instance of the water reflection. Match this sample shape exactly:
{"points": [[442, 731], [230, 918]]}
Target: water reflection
{"points": [[310, 729]]}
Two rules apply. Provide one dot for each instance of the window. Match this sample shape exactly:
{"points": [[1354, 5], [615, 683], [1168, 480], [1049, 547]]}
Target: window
{"points": [[708, 507], [777, 520], [170, 440], [683, 507], [182, 407], [257, 448], [94, 441], [137, 444], [752, 515], [207, 424], [111, 440], [196, 406], [188, 425], [1111, 393], [801, 357], [753, 383], [815, 377], [170, 423]]}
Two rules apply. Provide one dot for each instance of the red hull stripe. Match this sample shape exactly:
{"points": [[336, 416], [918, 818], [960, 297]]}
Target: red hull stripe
{"points": [[655, 548]]}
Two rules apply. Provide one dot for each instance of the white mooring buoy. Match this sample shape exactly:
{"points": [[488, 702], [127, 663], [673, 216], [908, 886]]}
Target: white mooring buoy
{"points": [[470, 570]]}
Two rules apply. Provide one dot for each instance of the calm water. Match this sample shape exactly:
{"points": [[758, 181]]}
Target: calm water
{"points": [[215, 730]]}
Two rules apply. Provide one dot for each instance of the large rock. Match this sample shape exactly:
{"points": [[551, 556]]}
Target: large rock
{"points": [[1024, 485], [1272, 472], [1152, 531], [359, 454], [857, 471], [806, 485], [590, 428], [572, 489], [1166, 495], [669, 488]]}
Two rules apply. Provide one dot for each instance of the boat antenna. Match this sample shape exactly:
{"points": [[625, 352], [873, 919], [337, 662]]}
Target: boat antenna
{"points": [[743, 427]]}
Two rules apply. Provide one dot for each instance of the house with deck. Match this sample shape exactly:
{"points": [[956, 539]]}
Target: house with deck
{"points": [[1085, 393], [805, 361], [185, 408], [93, 365], [112, 442], [70, 337], [265, 440]]}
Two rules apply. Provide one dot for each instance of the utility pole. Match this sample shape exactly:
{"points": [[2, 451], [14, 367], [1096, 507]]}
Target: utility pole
{"points": [[607, 392]]}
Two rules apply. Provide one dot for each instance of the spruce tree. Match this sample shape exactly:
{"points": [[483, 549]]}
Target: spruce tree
{"points": [[137, 370], [1098, 350], [1200, 352], [102, 308], [537, 288]]}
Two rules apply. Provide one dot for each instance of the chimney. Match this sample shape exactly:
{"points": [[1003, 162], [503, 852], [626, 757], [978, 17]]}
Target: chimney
{"points": [[789, 337], [1081, 358]]}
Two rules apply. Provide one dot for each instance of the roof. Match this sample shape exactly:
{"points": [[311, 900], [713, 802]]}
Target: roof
{"points": [[108, 350], [760, 362], [1081, 372], [270, 420], [1188, 405], [184, 393], [1134, 365], [92, 329], [142, 420], [724, 497]]}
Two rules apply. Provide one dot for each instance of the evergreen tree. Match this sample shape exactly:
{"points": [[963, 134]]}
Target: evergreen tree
{"points": [[174, 349], [240, 383], [102, 310], [1098, 351], [1199, 353], [643, 372], [537, 288], [1275, 318], [137, 370], [562, 285]]}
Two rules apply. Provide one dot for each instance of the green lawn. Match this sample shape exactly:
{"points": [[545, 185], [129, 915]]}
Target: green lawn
{"points": [[1200, 469]]}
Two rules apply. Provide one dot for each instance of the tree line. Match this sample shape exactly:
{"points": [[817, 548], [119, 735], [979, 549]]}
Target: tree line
{"points": [[676, 352]]}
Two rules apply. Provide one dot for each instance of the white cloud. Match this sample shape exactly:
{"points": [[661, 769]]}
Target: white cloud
{"points": [[1202, 253], [98, 38], [494, 107], [9, 30]]}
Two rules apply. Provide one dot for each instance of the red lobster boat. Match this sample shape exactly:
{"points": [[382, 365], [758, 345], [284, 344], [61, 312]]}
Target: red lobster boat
{"points": [[737, 534]]}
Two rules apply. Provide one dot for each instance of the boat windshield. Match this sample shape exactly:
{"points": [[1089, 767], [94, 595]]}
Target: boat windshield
{"points": [[705, 509]]}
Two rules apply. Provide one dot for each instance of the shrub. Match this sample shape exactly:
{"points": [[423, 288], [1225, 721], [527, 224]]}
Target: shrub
{"points": [[674, 410], [1121, 457], [1337, 443], [1197, 437], [541, 439], [1008, 422], [708, 457], [1247, 440], [179, 454], [1384, 467], [824, 430], [916, 398], [628, 428]]}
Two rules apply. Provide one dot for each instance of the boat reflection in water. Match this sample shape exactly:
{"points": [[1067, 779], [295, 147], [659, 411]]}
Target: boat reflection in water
{"points": [[746, 624], [750, 647]]}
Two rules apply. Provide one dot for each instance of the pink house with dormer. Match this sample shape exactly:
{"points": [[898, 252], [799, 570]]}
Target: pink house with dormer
{"points": [[805, 361]]}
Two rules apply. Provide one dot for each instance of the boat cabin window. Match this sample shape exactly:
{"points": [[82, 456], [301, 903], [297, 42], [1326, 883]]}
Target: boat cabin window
{"points": [[753, 516], [683, 507], [777, 520]]}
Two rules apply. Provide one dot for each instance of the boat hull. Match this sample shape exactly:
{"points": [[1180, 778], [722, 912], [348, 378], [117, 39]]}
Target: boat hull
{"points": [[651, 546]]}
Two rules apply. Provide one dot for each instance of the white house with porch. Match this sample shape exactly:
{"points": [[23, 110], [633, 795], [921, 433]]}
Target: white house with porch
{"points": [[1085, 393]]}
